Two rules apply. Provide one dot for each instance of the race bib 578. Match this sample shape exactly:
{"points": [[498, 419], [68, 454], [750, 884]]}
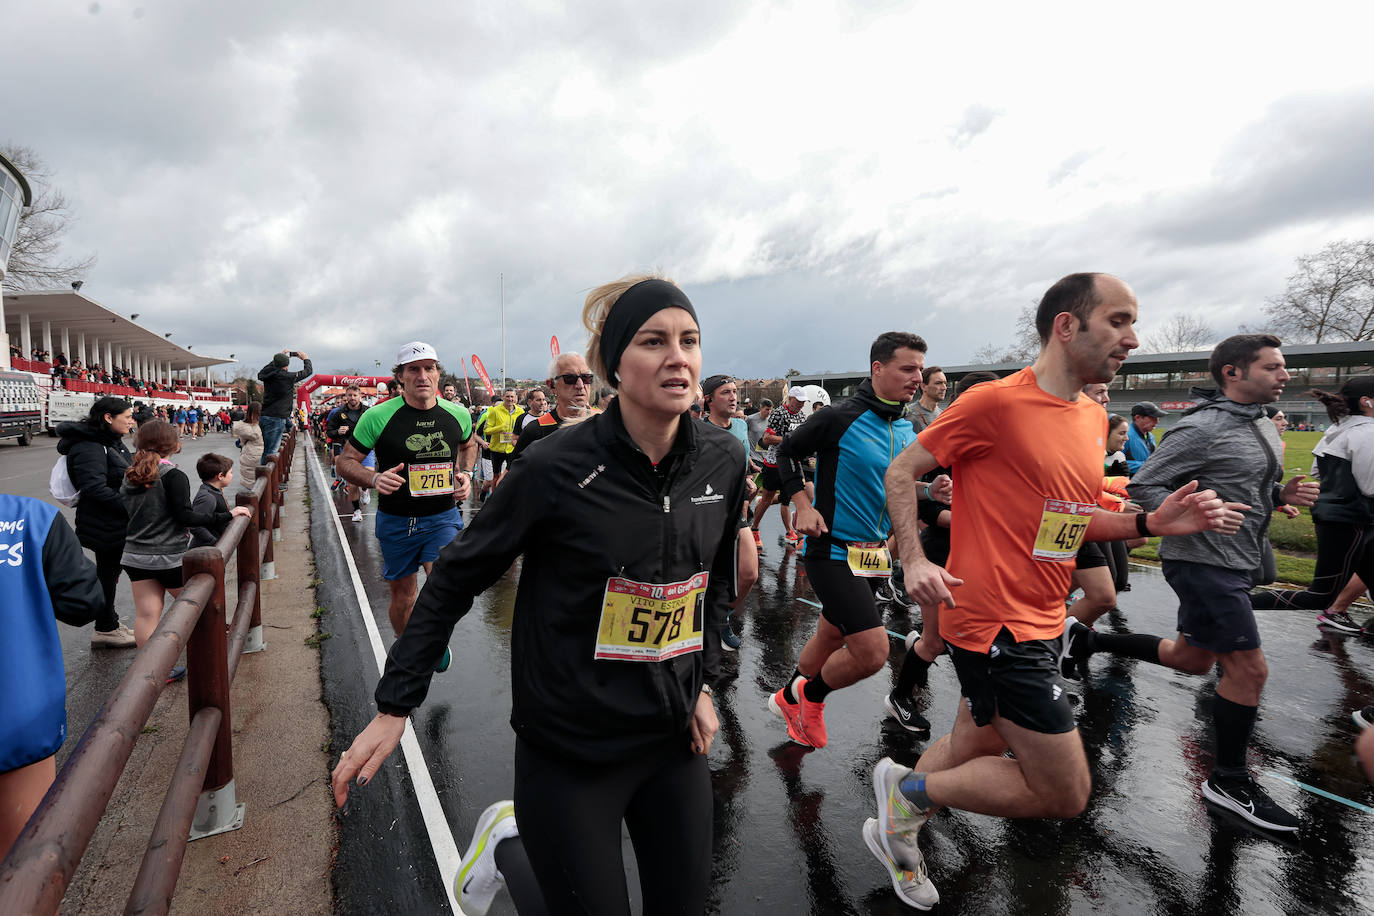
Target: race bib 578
{"points": [[648, 622]]}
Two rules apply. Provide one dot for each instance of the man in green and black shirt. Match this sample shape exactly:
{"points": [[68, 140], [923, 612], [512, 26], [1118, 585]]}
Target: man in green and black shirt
{"points": [[425, 452]]}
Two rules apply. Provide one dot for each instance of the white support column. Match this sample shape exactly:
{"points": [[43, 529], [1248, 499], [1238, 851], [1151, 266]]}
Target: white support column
{"points": [[4, 334], [109, 356], [81, 346], [47, 338], [67, 343], [25, 336]]}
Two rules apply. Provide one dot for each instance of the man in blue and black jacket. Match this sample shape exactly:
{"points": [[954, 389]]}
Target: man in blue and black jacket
{"points": [[846, 556], [44, 577]]}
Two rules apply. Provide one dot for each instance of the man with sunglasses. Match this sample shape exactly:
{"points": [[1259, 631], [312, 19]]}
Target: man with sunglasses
{"points": [[570, 380]]}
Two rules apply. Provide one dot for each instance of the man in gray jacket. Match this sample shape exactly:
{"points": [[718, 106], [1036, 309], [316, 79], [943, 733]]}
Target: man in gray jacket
{"points": [[1228, 445]]}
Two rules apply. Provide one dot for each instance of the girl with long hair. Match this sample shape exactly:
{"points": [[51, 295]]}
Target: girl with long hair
{"points": [[157, 496]]}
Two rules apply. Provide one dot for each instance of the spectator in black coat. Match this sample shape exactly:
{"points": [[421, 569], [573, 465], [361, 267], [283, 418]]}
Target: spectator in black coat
{"points": [[278, 392], [96, 461]]}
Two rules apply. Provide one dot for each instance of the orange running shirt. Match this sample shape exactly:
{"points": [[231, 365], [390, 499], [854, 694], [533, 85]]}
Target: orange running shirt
{"points": [[1027, 470]]}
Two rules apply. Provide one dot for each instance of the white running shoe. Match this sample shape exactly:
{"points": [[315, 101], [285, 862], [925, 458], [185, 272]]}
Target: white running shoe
{"points": [[357, 515], [899, 819], [367, 497], [913, 887], [478, 879]]}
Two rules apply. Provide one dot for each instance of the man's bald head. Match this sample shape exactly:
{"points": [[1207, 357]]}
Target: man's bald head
{"points": [[1078, 294]]}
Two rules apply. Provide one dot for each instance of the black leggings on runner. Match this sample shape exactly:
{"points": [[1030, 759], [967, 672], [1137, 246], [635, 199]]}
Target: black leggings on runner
{"points": [[1342, 550], [569, 814]]}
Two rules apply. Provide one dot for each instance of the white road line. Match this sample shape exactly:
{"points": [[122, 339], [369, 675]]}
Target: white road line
{"points": [[436, 825]]}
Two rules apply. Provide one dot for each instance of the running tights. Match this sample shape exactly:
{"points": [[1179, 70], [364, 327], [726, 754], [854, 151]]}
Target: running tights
{"points": [[1342, 550], [569, 814]]}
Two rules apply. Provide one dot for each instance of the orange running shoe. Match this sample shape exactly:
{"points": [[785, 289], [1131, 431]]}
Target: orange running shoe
{"points": [[789, 712], [812, 719]]}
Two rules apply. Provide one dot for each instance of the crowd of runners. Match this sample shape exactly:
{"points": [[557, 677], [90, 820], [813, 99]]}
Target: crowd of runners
{"points": [[897, 494]]}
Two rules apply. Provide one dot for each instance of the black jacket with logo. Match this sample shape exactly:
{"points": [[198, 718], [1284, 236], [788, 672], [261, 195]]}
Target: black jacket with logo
{"points": [[583, 507]]}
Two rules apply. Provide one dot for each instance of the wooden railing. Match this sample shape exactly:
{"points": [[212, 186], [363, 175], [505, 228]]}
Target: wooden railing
{"points": [[200, 800]]}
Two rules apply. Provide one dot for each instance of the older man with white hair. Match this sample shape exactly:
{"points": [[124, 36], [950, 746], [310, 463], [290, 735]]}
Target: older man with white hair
{"points": [[570, 380]]}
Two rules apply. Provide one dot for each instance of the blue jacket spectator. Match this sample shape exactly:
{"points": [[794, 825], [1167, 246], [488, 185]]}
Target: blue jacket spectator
{"points": [[1140, 440], [44, 577]]}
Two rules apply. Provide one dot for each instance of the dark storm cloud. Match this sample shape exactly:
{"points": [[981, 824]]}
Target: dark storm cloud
{"points": [[1307, 159]]}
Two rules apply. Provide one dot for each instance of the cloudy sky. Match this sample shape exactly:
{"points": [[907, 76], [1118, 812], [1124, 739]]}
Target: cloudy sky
{"points": [[341, 177]]}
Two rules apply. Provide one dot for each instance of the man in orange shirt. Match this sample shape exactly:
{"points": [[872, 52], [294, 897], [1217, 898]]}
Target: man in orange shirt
{"points": [[1017, 531]]}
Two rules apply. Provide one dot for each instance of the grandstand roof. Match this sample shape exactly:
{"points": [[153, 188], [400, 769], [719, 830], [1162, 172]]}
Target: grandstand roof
{"points": [[1298, 356], [79, 313]]}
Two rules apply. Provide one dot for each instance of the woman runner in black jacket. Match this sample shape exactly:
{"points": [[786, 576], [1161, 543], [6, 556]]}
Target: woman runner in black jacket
{"points": [[628, 525], [96, 461]]}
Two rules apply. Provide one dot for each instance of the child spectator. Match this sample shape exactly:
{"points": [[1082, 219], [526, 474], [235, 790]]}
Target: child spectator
{"points": [[216, 472], [158, 498]]}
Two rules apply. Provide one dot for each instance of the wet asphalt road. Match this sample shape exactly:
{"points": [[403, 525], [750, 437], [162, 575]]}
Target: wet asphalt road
{"points": [[788, 819]]}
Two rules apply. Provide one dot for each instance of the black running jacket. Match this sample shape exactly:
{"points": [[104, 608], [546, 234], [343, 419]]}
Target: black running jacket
{"points": [[585, 506]]}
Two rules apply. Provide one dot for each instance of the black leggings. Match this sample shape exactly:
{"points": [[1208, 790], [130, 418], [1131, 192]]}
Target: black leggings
{"points": [[107, 571], [1342, 550], [569, 814]]}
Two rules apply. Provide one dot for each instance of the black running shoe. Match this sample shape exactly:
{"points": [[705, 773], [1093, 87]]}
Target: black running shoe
{"points": [[1363, 717], [903, 709], [1247, 799]]}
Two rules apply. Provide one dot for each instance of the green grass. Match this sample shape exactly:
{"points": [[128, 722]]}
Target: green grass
{"points": [[1291, 570]]}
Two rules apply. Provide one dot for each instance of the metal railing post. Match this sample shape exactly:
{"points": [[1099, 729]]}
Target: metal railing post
{"points": [[208, 686], [278, 495], [250, 571], [267, 505]]}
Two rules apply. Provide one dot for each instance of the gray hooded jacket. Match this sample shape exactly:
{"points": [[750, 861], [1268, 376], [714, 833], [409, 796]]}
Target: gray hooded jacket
{"points": [[1228, 447]]}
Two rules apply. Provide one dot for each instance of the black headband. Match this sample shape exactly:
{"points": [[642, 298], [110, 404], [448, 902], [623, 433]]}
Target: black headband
{"points": [[634, 307]]}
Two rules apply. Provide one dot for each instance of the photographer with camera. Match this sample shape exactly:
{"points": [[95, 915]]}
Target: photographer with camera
{"points": [[278, 391]]}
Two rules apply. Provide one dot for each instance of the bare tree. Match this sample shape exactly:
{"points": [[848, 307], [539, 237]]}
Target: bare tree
{"points": [[1329, 297], [1180, 334], [35, 259], [1024, 346]]}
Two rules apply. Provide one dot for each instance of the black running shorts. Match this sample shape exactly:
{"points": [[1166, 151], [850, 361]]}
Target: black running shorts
{"points": [[499, 461], [1091, 555], [167, 578], [846, 599], [1214, 609], [769, 479], [1020, 681]]}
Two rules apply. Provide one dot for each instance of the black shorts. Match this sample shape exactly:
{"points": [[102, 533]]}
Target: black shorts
{"points": [[1214, 609], [1020, 681], [935, 545], [335, 448], [498, 461], [1091, 555], [167, 578], [769, 479], [846, 599]]}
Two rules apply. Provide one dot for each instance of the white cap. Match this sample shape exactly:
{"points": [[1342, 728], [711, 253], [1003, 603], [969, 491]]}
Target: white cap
{"points": [[416, 350], [798, 392]]}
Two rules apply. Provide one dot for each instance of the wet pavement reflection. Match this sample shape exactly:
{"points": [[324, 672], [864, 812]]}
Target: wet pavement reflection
{"points": [[788, 819]]}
